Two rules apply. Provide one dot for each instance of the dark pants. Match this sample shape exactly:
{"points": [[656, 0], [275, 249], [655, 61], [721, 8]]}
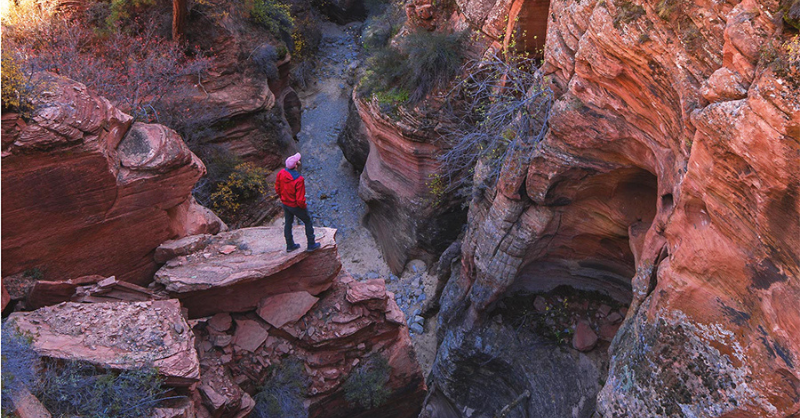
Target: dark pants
{"points": [[289, 213]]}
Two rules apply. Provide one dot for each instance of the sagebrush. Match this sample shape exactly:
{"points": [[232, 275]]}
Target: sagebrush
{"points": [[495, 115], [283, 393], [421, 63], [367, 384]]}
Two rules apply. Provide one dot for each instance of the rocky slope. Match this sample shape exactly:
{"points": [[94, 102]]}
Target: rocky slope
{"points": [[667, 179], [342, 341], [85, 191]]}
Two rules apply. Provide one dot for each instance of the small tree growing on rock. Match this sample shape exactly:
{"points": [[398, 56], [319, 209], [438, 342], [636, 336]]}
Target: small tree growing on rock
{"points": [[498, 109]]}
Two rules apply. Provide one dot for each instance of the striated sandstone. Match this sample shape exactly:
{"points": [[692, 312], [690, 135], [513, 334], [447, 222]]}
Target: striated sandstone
{"points": [[85, 192], [407, 219], [667, 179]]}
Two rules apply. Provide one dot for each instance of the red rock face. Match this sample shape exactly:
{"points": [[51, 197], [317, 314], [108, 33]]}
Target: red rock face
{"points": [[85, 192], [672, 160], [405, 216]]}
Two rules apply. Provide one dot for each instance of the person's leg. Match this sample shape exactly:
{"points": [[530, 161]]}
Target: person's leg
{"points": [[303, 215], [288, 220]]}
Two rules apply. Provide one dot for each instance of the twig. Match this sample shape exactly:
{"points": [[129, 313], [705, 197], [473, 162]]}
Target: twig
{"points": [[504, 412]]}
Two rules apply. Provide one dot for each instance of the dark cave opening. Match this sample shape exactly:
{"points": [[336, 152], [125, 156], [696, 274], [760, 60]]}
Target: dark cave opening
{"points": [[598, 234]]}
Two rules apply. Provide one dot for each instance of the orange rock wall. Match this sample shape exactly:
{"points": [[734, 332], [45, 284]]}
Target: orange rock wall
{"points": [[674, 135]]}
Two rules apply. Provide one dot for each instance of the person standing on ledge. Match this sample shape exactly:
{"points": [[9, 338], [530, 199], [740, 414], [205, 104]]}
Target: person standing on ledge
{"points": [[291, 188]]}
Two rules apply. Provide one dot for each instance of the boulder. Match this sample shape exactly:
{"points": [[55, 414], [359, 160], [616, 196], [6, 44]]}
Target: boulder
{"points": [[208, 282], [118, 336], [278, 310], [585, 338], [88, 192], [28, 406], [353, 138], [250, 334]]}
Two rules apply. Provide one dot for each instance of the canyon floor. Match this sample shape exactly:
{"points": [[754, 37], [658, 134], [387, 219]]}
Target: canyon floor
{"points": [[332, 183]]}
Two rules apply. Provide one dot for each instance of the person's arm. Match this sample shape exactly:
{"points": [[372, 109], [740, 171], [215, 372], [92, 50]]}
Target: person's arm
{"points": [[300, 195], [278, 185]]}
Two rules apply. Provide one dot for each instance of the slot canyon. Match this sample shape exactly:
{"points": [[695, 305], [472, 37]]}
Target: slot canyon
{"points": [[521, 208]]}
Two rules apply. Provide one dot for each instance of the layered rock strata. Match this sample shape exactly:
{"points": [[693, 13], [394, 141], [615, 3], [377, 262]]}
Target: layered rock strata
{"points": [[243, 108], [86, 191], [667, 179], [406, 216]]}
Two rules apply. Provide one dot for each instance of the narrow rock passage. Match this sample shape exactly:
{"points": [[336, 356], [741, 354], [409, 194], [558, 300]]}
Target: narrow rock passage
{"points": [[332, 183]]}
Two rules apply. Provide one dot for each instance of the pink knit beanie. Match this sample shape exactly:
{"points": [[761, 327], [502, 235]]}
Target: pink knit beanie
{"points": [[291, 162]]}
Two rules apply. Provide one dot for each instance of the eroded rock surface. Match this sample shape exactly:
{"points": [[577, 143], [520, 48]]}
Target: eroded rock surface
{"points": [[667, 179], [85, 192], [233, 271], [116, 336], [332, 334], [407, 218]]}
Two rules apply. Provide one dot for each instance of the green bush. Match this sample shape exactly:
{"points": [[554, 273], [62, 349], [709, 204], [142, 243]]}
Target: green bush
{"points": [[422, 62], [366, 385], [74, 388], [17, 88], [274, 16], [283, 393]]}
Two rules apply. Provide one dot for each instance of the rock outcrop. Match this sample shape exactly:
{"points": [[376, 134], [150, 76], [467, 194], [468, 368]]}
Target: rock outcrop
{"points": [[331, 337], [407, 218], [234, 271], [248, 111], [258, 306], [667, 180], [86, 191], [116, 336]]}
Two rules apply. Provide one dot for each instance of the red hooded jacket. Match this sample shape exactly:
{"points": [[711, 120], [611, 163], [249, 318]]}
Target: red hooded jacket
{"points": [[291, 188]]}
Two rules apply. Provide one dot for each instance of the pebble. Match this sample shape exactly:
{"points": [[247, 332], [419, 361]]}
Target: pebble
{"points": [[418, 319], [422, 298], [417, 328]]}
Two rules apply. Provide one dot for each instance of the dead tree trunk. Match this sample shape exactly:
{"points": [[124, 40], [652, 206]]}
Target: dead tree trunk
{"points": [[179, 12]]}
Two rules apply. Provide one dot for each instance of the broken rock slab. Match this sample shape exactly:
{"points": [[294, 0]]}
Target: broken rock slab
{"points": [[119, 336], [279, 310], [256, 265]]}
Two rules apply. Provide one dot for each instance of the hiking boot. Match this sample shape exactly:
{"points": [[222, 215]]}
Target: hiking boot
{"points": [[292, 247], [313, 247]]}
